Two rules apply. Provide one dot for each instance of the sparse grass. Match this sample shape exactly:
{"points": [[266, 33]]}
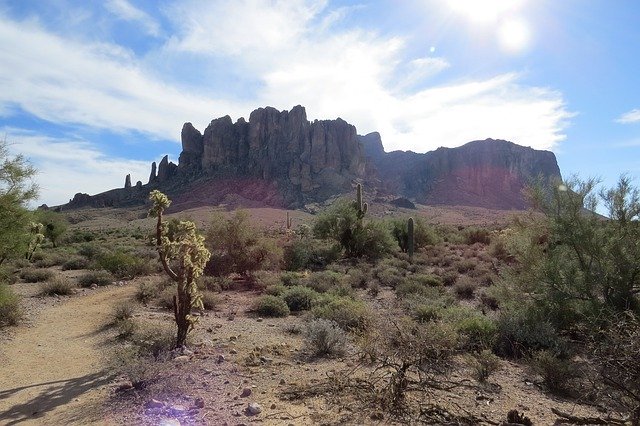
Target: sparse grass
{"points": [[99, 278], [60, 286], [146, 292], [10, 311], [483, 364], [123, 311], [32, 275]]}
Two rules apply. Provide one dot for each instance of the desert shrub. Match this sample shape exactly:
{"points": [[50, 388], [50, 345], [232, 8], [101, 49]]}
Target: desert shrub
{"points": [[324, 338], [99, 278], [271, 306], [499, 250], [299, 298], [483, 364], [32, 275], [449, 277], [557, 374], [123, 311], [60, 286], [349, 314], [124, 265], [477, 235], [153, 340], [324, 281], [477, 332], [75, 263], [409, 288], [373, 288], [423, 235], [54, 224], [310, 253], [343, 223], [425, 312], [210, 300], [464, 288], [426, 280], [164, 299], [389, 277], [275, 290], [10, 311], [91, 250], [357, 278], [522, 332], [216, 284], [78, 236], [292, 278], [264, 279], [50, 259], [465, 265], [489, 301], [238, 247], [146, 292]]}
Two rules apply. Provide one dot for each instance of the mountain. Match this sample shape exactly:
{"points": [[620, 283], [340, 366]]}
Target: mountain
{"points": [[279, 158]]}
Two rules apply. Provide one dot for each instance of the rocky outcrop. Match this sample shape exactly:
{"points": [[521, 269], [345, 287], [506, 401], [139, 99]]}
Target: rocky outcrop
{"points": [[280, 158]]}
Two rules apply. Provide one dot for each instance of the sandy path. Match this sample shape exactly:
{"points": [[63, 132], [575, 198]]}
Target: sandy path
{"points": [[52, 372]]}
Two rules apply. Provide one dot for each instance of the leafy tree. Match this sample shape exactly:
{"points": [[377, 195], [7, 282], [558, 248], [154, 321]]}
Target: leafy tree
{"points": [[183, 258], [237, 247], [16, 191], [342, 222], [54, 224]]}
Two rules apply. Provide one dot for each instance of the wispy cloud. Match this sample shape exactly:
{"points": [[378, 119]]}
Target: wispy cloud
{"points": [[124, 10], [632, 116], [65, 163]]}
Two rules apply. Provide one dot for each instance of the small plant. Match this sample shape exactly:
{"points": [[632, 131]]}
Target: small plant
{"points": [[347, 313], [210, 300], [373, 288], [10, 311], [146, 292], [57, 286], [465, 288], [483, 364], [99, 278], [275, 290], [32, 275], [325, 338], [123, 311], [477, 235], [124, 265], [299, 298], [271, 306], [557, 374], [75, 263]]}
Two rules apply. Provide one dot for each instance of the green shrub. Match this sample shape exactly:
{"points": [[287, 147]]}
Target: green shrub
{"points": [[557, 374], [146, 292], [325, 338], [465, 288], [32, 275], [423, 234], [216, 284], [79, 236], [324, 281], [271, 306], [357, 278], [310, 253], [389, 277], [299, 298], [425, 312], [10, 311], [477, 332], [75, 263], [49, 260], [477, 235], [449, 277], [482, 364], [426, 280], [292, 278], [465, 265], [349, 314], [275, 290], [99, 278], [60, 286], [124, 265], [522, 332], [91, 251]]}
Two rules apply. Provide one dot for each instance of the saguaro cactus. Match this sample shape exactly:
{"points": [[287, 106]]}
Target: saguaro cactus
{"points": [[289, 221], [410, 237], [360, 206], [183, 258]]}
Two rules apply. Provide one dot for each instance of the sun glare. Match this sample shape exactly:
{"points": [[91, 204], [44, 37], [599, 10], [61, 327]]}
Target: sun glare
{"points": [[484, 11], [514, 35]]}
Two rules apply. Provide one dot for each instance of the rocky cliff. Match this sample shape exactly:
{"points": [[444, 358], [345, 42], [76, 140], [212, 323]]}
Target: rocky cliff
{"points": [[280, 158]]}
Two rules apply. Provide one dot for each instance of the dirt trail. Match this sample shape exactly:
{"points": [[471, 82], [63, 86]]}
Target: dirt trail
{"points": [[52, 372]]}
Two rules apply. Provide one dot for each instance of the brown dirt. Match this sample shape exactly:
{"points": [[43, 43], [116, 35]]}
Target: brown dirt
{"points": [[52, 369]]}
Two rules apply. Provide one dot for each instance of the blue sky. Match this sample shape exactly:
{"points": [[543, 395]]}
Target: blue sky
{"points": [[91, 91]]}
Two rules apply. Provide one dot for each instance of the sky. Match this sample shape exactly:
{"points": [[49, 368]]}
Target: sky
{"points": [[93, 90]]}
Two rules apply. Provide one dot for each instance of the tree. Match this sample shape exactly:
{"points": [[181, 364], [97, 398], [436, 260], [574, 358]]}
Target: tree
{"points": [[183, 257], [54, 224], [16, 191], [237, 247]]}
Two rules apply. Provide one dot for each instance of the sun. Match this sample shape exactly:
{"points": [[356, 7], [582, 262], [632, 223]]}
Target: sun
{"points": [[514, 35]]}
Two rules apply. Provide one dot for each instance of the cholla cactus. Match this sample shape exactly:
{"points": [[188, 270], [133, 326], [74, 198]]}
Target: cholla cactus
{"points": [[183, 258], [35, 230]]}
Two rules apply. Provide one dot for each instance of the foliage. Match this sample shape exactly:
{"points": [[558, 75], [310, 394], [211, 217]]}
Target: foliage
{"points": [[271, 306], [482, 364], [237, 247], [16, 191], [99, 278], [343, 223], [183, 256], [325, 338], [474, 235], [146, 292], [123, 264], [75, 263], [32, 275], [123, 311], [299, 298], [557, 374], [464, 288], [349, 314], [424, 235], [305, 252], [59, 286], [523, 331], [54, 224], [10, 311]]}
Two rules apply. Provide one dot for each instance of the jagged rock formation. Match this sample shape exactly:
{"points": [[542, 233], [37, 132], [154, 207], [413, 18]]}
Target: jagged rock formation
{"points": [[127, 182], [280, 158]]}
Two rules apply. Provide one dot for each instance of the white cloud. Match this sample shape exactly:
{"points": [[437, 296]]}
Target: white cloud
{"points": [[66, 166], [128, 12], [632, 116]]}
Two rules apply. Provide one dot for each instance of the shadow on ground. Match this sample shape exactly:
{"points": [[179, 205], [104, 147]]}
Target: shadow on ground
{"points": [[53, 394]]}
